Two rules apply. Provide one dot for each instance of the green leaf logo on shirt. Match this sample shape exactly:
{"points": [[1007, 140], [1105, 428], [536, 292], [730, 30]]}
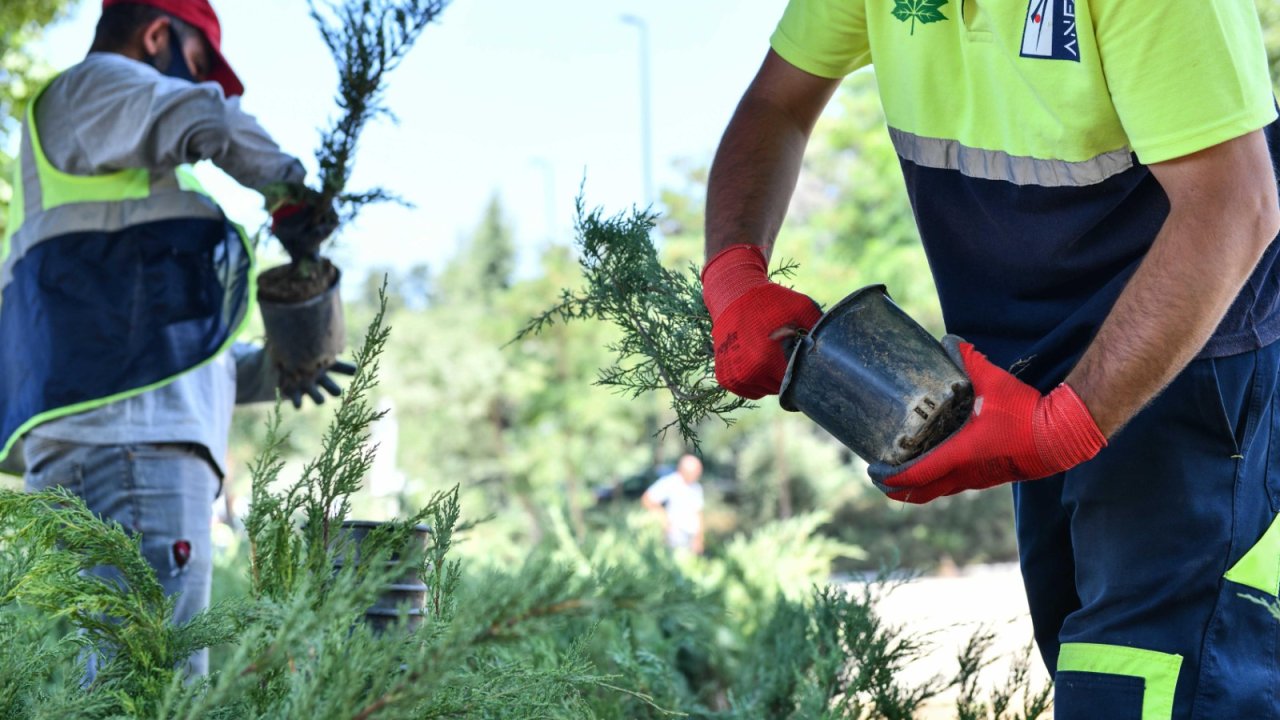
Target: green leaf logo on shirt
{"points": [[926, 11]]}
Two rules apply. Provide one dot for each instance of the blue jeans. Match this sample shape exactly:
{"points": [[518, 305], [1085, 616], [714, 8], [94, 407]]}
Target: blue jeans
{"points": [[1132, 561], [161, 492]]}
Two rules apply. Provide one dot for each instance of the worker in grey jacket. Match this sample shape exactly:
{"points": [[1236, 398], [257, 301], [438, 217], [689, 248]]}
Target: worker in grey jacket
{"points": [[123, 285]]}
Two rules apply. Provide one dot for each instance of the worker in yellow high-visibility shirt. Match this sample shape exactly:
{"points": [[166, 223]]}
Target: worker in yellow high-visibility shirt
{"points": [[1094, 184]]}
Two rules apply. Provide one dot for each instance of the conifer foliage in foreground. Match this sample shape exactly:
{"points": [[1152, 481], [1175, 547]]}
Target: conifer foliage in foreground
{"points": [[616, 628], [666, 329]]}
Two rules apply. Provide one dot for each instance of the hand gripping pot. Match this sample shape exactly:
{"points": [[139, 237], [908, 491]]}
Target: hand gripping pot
{"points": [[305, 337], [877, 381]]}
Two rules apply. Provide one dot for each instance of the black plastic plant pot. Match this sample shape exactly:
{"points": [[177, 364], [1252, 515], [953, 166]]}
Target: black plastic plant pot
{"points": [[355, 531], [410, 576], [876, 380], [383, 620], [405, 594], [305, 337], [412, 595]]}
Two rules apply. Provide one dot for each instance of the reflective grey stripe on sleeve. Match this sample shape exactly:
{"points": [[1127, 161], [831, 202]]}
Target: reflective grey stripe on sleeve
{"points": [[996, 165], [103, 217]]}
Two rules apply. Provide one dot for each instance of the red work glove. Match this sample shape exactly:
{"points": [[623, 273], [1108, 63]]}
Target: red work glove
{"points": [[750, 319], [1014, 433], [302, 225]]}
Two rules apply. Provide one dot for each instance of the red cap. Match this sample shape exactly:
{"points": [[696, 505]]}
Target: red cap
{"points": [[200, 15]]}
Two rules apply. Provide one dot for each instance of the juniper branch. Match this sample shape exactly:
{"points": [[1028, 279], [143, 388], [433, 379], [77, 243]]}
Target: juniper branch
{"points": [[666, 341], [321, 496], [128, 623], [299, 647], [346, 454]]}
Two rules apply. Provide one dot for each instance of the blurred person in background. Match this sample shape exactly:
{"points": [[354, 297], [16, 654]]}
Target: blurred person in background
{"points": [[677, 500]]}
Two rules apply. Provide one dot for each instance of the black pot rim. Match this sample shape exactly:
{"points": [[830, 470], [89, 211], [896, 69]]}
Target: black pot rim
{"points": [[391, 612], [420, 527], [784, 394]]}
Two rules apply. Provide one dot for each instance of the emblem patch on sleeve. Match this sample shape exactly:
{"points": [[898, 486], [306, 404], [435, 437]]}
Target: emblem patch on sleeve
{"points": [[1050, 30]]}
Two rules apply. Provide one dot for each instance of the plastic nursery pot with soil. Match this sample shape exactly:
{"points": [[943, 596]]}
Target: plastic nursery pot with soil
{"points": [[407, 593], [876, 380], [302, 312]]}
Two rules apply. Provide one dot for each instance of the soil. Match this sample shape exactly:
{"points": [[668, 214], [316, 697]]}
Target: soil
{"points": [[296, 282]]}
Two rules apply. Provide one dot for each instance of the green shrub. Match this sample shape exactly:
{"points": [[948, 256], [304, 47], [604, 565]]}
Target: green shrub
{"points": [[614, 626]]}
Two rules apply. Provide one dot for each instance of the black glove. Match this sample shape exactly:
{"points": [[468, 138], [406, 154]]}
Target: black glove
{"points": [[294, 385], [303, 223]]}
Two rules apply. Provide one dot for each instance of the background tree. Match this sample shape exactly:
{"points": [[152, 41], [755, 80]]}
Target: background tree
{"points": [[1269, 13], [532, 441], [22, 23]]}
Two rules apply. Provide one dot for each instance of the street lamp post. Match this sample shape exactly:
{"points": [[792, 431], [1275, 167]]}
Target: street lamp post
{"points": [[646, 149], [646, 135]]}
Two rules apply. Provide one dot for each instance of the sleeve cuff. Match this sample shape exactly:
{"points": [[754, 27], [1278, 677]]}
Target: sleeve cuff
{"points": [[793, 53], [1195, 140]]}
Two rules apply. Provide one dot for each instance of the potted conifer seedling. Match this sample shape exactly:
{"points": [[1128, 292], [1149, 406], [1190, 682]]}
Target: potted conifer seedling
{"points": [[300, 304]]}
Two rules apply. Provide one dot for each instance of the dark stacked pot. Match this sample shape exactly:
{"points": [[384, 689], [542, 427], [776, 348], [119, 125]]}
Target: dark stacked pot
{"points": [[406, 593]]}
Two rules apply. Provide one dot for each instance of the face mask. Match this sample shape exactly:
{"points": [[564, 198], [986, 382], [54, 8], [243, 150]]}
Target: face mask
{"points": [[177, 60]]}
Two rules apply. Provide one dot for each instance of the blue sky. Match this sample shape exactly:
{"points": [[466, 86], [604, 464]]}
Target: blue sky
{"points": [[500, 96]]}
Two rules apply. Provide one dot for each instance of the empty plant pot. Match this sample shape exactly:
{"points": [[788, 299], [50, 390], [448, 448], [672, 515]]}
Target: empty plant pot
{"points": [[381, 619], [877, 381], [305, 337], [355, 531], [406, 592], [412, 595]]}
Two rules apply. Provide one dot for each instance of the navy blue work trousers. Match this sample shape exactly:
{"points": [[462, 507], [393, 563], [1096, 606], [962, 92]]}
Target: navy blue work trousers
{"points": [[1138, 564]]}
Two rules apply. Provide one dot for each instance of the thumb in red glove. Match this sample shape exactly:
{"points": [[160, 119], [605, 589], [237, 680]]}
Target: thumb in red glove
{"points": [[751, 317], [1014, 433]]}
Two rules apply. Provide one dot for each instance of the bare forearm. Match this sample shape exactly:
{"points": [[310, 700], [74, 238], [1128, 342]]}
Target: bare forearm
{"points": [[756, 166], [753, 177], [1205, 252], [1160, 322]]}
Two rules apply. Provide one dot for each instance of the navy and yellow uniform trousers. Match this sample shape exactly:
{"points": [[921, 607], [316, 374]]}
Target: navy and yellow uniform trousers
{"points": [[1144, 566]]}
